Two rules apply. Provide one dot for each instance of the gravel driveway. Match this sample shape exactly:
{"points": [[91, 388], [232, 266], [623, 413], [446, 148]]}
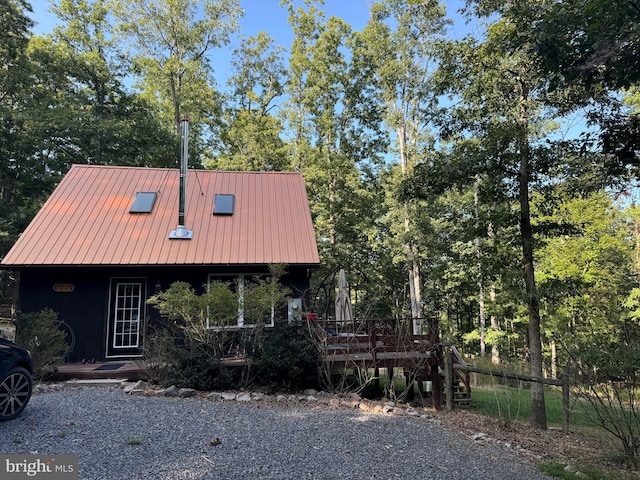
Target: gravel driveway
{"points": [[119, 436]]}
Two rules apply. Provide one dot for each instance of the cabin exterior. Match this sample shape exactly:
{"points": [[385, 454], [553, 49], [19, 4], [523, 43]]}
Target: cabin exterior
{"points": [[110, 237]]}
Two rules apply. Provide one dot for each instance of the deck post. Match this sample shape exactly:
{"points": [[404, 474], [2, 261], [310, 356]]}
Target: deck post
{"points": [[448, 377], [436, 385], [565, 400]]}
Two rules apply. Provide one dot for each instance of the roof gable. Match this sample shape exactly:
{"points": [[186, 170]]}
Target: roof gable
{"points": [[87, 220]]}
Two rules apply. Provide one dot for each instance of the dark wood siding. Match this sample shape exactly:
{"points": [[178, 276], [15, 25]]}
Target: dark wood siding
{"points": [[85, 309]]}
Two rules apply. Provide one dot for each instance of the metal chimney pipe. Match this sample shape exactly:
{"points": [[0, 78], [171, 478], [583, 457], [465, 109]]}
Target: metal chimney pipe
{"points": [[184, 160], [181, 231]]}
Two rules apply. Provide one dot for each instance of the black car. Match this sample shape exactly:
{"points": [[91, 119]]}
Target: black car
{"points": [[16, 382]]}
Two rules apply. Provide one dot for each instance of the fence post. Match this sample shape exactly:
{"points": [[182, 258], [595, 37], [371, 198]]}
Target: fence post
{"points": [[565, 400], [448, 377]]}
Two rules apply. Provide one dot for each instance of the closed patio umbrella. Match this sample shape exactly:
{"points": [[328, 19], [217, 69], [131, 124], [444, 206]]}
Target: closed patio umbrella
{"points": [[344, 312]]}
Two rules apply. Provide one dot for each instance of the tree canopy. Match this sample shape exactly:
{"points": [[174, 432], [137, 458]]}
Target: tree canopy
{"points": [[444, 174]]}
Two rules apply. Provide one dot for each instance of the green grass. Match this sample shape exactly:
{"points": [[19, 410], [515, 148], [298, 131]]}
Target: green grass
{"points": [[509, 403], [558, 470], [512, 404]]}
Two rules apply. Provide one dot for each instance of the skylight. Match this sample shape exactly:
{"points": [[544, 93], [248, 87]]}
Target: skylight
{"points": [[223, 204], [143, 203]]}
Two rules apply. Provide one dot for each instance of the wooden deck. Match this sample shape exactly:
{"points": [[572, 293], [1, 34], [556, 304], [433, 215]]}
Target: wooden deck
{"points": [[389, 344], [369, 346]]}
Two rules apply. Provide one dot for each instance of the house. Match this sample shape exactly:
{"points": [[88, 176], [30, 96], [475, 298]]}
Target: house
{"points": [[110, 237]]}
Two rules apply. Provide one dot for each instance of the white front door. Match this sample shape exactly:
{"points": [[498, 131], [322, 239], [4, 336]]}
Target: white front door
{"points": [[126, 317]]}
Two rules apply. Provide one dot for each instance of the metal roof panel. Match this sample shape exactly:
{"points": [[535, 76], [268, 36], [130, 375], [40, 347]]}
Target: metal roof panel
{"points": [[86, 220]]}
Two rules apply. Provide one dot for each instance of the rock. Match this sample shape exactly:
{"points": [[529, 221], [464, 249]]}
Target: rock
{"points": [[40, 388], [412, 412], [387, 408], [310, 392], [214, 396], [350, 403], [228, 396], [366, 406], [310, 399], [355, 397], [478, 436], [171, 391], [282, 399], [258, 397], [243, 397], [149, 392], [186, 392], [137, 388], [334, 403]]}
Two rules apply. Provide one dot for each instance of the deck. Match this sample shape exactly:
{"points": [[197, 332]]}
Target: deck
{"points": [[389, 344]]}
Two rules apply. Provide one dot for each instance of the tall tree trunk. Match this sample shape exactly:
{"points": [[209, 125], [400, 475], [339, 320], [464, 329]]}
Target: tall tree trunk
{"points": [[412, 255], [481, 306], [538, 413], [495, 326]]}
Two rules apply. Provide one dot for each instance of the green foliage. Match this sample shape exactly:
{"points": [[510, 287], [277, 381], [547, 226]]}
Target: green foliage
{"points": [[196, 315], [170, 56], [209, 329], [560, 470], [287, 358], [608, 379], [193, 368], [40, 333]]}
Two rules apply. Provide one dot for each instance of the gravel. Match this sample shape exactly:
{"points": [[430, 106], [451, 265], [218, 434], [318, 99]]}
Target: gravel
{"points": [[119, 436]]}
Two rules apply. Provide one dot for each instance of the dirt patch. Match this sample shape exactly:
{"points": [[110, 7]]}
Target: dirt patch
{"points": [[576, 449]]}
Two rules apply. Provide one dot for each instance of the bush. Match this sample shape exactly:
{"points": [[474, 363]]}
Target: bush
{"points": [[160, 352], [198, 370], [287, 358], [40, 333]]}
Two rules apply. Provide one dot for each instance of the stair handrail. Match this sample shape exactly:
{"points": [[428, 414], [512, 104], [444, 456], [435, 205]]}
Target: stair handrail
{"points": [[465, 377]]}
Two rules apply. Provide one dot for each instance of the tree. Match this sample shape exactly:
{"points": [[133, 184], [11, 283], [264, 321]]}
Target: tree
{"points": [[591, 298], [401, 40], [590, 43], [84, 112], [502, 106], [586, 274], [252, 137], [170, 41], [335, 131], [15, 202], [588, 50]]}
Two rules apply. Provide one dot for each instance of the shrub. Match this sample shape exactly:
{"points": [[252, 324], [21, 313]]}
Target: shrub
{"points": [[40, 333], [206, 327], [287, 358], [198, 370], [159, 352]]}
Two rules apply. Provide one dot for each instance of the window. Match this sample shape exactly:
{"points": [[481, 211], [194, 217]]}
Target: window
{"points": [[143, 203], [223, 204], [254, 301]]}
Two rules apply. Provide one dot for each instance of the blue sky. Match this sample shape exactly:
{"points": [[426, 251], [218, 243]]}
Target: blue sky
{"points": [[269, 16]]}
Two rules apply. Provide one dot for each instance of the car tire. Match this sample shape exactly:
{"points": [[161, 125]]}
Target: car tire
{"points": [[15, 392]]}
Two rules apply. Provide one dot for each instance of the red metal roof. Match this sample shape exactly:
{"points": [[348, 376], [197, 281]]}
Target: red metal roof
{"points": [[86, 220]]}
